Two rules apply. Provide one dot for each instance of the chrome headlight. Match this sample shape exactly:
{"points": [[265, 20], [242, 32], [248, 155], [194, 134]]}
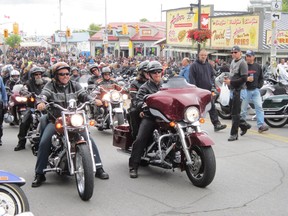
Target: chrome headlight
{"points": [[115, 96], [106, 97], [77, 120], [191, 114], [125, 96], [21, 99]]}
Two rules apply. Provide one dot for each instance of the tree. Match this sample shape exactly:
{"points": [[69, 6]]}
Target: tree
{"points": [[284, 5], [144, 20], [13, 41], [93, 28]]}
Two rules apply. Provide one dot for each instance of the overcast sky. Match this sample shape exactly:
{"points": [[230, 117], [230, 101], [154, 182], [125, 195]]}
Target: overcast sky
{"points": [[41, 17]]}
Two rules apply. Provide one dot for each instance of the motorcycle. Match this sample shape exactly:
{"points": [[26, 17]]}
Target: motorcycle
{"points": [[276, 110], [17, 103], [70, 153], [112, 112], [13, 200], [178, 141]]}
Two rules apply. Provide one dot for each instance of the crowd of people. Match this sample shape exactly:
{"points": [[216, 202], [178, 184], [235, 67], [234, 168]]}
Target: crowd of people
{"points": [[30, 66]]}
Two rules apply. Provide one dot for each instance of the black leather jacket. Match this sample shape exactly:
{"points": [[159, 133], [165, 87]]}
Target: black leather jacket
{"points": [[147, 88], [134, 87], [61, 94], [93, 79], [33, 88]]}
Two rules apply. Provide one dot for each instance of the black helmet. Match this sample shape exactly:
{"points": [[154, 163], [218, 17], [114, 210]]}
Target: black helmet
{"points": [[35, 70], [143, 66], [154, 66]]}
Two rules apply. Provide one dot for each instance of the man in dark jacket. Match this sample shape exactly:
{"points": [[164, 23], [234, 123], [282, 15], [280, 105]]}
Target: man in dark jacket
{"points": [[147, 124], [94, 70], [60, 90], [34, 85], [202, 75]]}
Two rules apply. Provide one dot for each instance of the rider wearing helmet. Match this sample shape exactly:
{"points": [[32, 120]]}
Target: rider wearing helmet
{"points": [[35, 84], [5, 72], [147, 124], [94, 70], [13, 80], [75, 76], [59, 90], [106, 81], [142, 77]]}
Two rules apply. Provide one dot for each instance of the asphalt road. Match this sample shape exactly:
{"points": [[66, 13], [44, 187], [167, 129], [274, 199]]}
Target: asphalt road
{"points": [[251, 179]]}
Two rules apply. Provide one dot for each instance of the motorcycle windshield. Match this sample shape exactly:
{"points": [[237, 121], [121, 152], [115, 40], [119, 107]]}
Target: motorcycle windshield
{"points": [[176, 96], [17, 88], [83, 80]]}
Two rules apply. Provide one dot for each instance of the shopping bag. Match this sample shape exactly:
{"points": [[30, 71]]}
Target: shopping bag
{"points": [[224, 96]]}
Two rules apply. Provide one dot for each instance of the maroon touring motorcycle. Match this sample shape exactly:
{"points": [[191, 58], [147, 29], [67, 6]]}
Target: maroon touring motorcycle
{"points": [[178, 141]]}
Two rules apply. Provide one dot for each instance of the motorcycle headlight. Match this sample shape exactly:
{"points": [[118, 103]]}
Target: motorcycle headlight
{"points": [[125, 96], [106, 97], [21, 99], [115, 96], [191, 114], [77, 120]]}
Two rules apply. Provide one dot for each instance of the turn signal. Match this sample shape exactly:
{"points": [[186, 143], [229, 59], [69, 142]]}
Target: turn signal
{"points": [[202, 120], [58, 125], [92, 123], [32, 99], [172, 124]]}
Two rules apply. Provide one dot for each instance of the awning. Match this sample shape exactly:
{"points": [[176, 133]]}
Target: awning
{"points": [[159, 42]]}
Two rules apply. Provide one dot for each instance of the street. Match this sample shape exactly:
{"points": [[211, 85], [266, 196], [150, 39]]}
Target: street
{"points": [[251, 179]]}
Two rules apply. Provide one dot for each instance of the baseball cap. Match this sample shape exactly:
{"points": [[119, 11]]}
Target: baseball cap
{"points": [[250, 53], [235, 48]]}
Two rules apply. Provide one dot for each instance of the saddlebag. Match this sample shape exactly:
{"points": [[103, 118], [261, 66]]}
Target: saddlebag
{"points": [[122, 136], [275, 102]]}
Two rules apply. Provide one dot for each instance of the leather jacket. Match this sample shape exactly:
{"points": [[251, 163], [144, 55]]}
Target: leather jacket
{"points": [[134, 88], [61, 94], [93, 79], [147, 88]]}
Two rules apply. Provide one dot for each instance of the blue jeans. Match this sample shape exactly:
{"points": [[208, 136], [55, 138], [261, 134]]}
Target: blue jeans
{"points": [[45, 146], [255, 96]]}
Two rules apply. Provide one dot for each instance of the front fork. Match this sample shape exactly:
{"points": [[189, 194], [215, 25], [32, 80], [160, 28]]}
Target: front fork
{"points": [[180, 130]]}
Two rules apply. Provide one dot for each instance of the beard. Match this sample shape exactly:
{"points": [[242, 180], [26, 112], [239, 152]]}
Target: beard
{"points": [[39, 81]]}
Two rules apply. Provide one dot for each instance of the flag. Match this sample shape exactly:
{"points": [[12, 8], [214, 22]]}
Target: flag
{"points": [[6, 17]]}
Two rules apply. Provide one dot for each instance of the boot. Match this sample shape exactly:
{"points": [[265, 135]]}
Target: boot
{"points": [[244, 126], [133, 172], [39, 179], [19, 147], [100, 173], [233, 137]]}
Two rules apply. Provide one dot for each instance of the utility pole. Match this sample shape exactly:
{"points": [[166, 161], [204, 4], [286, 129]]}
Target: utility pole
{"points": [[105, 35], [60, 15]]}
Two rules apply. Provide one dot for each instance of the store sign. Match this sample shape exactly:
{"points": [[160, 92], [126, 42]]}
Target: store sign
{"points": [[282, 37], [237, 30], [179, 22]]}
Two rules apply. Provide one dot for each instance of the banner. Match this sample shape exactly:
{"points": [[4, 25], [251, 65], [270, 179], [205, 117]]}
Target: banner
{"points": [[179, 21], [237, 30], [282, 37]]}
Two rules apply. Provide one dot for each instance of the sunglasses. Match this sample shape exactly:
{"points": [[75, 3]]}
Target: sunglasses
{"points": [[233, 52], [63, 74], [156, 72], [38, 74]]}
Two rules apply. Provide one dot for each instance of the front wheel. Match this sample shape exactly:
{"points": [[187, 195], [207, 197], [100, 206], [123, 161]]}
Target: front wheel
{"points": [[202, 170], [13, 200], [276, 122], [84, 172]]}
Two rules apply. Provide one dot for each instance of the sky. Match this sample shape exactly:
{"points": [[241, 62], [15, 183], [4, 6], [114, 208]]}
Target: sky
{"points": [[42, 17]]}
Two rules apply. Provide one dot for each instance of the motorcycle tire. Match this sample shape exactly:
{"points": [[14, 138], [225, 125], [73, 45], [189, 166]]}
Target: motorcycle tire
{"points": [[84, 172], [13, 200], [202, 171], [119, 117], [276, 122]]}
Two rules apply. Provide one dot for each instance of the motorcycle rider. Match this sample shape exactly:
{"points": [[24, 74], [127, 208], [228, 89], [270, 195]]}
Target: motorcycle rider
{"points": [[57, 91], [5, 72], [106, 81], [35, 84], [202, 75], [94, 70], [3, 106], [11, 82], [75, 76], [147, 124], [134, 118]]}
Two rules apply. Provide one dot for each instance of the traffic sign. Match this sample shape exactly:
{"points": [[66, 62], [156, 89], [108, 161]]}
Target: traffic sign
{"points": [[275, 15], [276, 5]]}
